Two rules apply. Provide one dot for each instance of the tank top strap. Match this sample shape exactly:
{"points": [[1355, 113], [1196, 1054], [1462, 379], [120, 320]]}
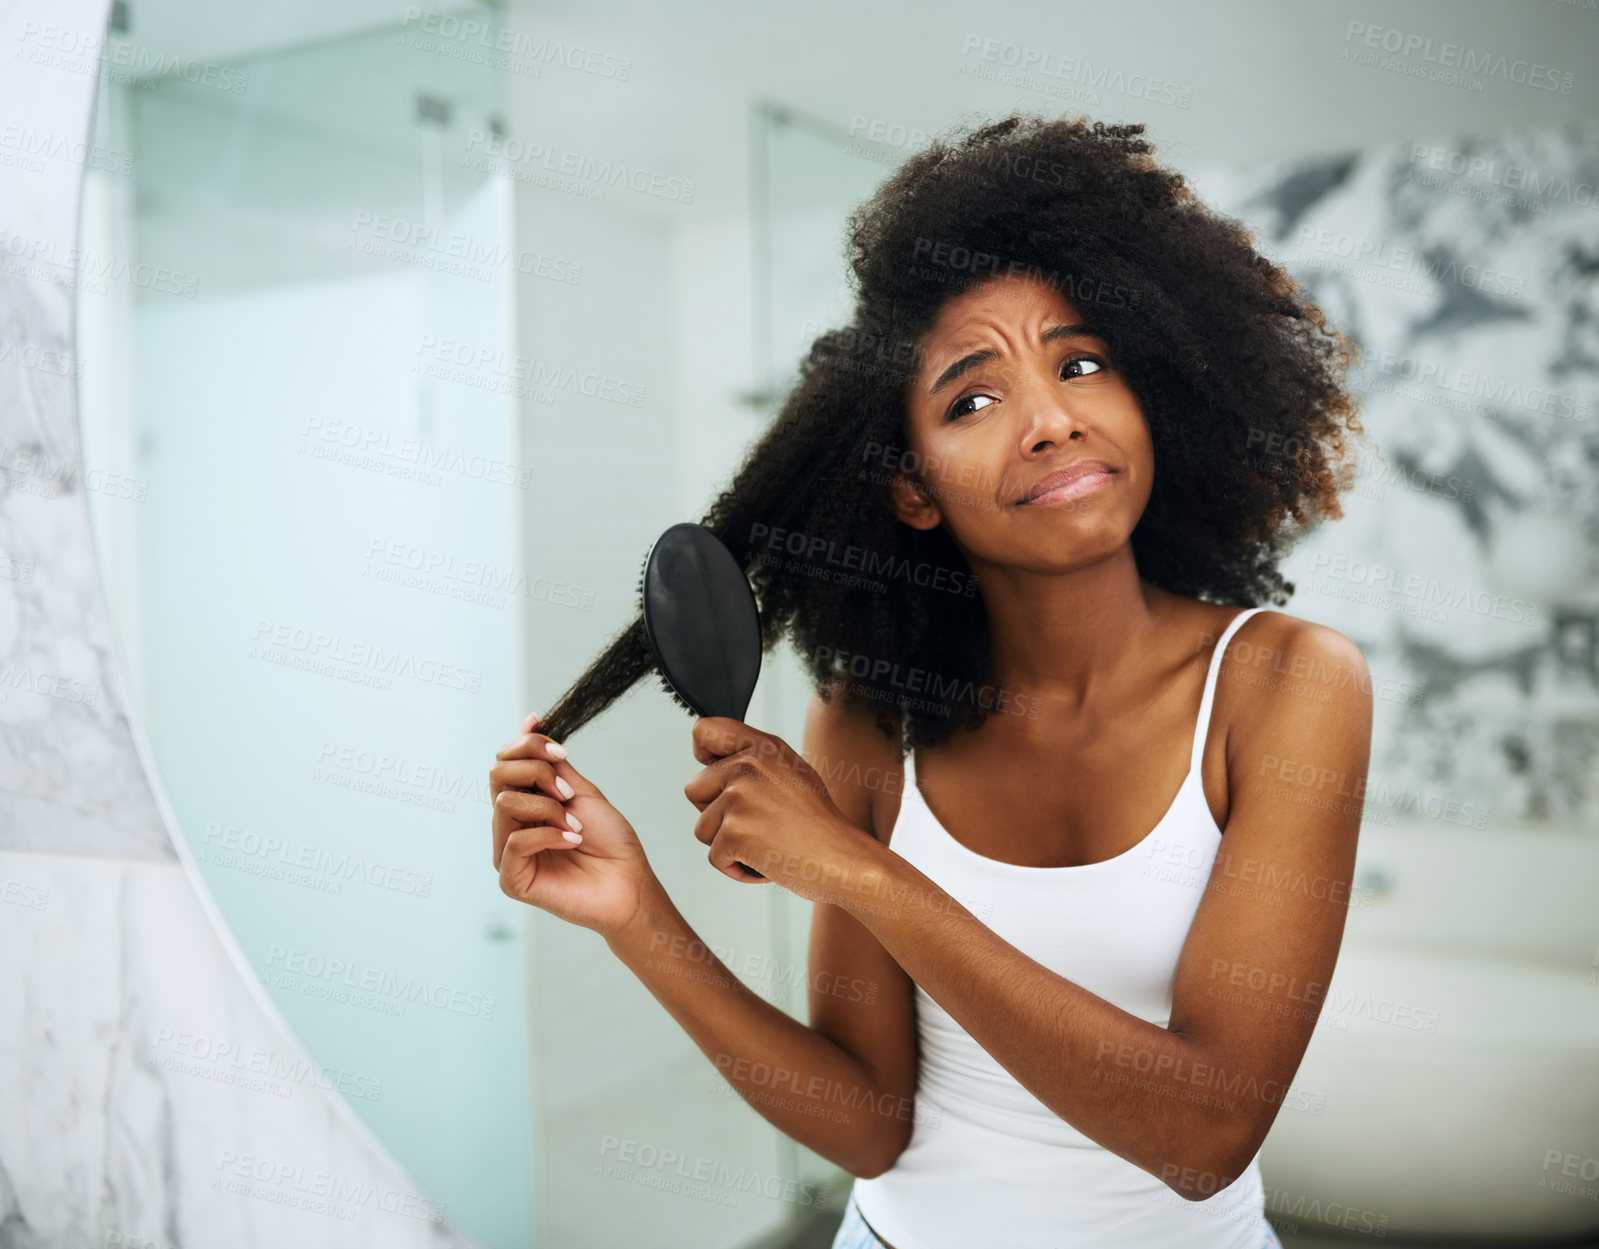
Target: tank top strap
{"points": [[1202, 727]]}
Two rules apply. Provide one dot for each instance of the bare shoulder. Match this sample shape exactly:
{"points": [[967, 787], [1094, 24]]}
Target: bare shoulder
{"points": [[860, 765], [1291, 649], [1292, 688]]}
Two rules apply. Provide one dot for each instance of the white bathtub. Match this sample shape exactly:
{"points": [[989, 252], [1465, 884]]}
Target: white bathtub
{"points": [[1452, 1085]]}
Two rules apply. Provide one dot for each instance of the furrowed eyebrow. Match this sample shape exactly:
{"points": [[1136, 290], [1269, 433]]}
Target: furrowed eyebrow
{"points": [[970, 361]]}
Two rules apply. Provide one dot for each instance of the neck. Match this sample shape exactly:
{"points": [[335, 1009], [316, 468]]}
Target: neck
{"points": [[1066, 636]]}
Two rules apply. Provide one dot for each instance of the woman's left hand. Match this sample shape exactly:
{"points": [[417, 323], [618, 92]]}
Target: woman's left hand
{"points": [[761, 804]]}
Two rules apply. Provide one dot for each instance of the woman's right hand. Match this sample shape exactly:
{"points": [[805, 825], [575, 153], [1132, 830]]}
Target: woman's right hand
{"points": [[598, 882]]}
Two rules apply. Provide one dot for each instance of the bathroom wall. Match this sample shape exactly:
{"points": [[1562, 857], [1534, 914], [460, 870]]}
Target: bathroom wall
{"points": [[1467, 564]]}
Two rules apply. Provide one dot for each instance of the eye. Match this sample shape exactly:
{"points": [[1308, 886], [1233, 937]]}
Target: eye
{"points": [[957, 410], [1074, 366]]}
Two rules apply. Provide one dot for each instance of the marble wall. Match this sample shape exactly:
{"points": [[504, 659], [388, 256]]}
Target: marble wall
{"points": [[150, 1092], [1467, 564]]}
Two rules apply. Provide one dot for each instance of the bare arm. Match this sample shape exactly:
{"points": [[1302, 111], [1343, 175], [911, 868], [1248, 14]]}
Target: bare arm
{"points": [[844, 1085]]}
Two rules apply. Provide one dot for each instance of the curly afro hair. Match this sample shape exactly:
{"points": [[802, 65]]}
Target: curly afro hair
{"points": [[1238, 375]]}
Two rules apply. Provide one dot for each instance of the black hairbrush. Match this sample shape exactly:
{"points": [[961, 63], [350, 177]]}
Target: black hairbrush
{"points": [[702, 623]]}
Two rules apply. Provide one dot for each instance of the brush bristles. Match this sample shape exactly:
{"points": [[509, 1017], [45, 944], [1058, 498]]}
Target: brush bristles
{"points": [[638, 594]]}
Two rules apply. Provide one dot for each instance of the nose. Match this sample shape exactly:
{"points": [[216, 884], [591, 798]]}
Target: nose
{"points": [[1049, 421]]}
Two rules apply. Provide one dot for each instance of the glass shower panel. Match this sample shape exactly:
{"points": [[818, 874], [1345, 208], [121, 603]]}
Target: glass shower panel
{"points": [[316, 583]]}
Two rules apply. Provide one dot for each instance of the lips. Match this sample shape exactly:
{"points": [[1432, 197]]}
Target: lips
{"points": [[1069, 482]]}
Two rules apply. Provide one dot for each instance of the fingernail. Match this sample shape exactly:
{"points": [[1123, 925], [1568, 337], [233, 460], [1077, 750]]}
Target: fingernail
{"points": [[555, 750], [566, 790], [532, 719], [573, 820], [572, 837]]}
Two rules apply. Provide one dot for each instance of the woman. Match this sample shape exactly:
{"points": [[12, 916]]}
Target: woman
{"points": [[1091, 860]]}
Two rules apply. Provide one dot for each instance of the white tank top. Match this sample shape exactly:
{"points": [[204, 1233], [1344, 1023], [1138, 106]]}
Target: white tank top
{"points": [[990, 1164]]}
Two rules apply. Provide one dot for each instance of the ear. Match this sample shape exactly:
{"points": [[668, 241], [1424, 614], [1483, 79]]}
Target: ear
{"points": [[911, 502]]}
